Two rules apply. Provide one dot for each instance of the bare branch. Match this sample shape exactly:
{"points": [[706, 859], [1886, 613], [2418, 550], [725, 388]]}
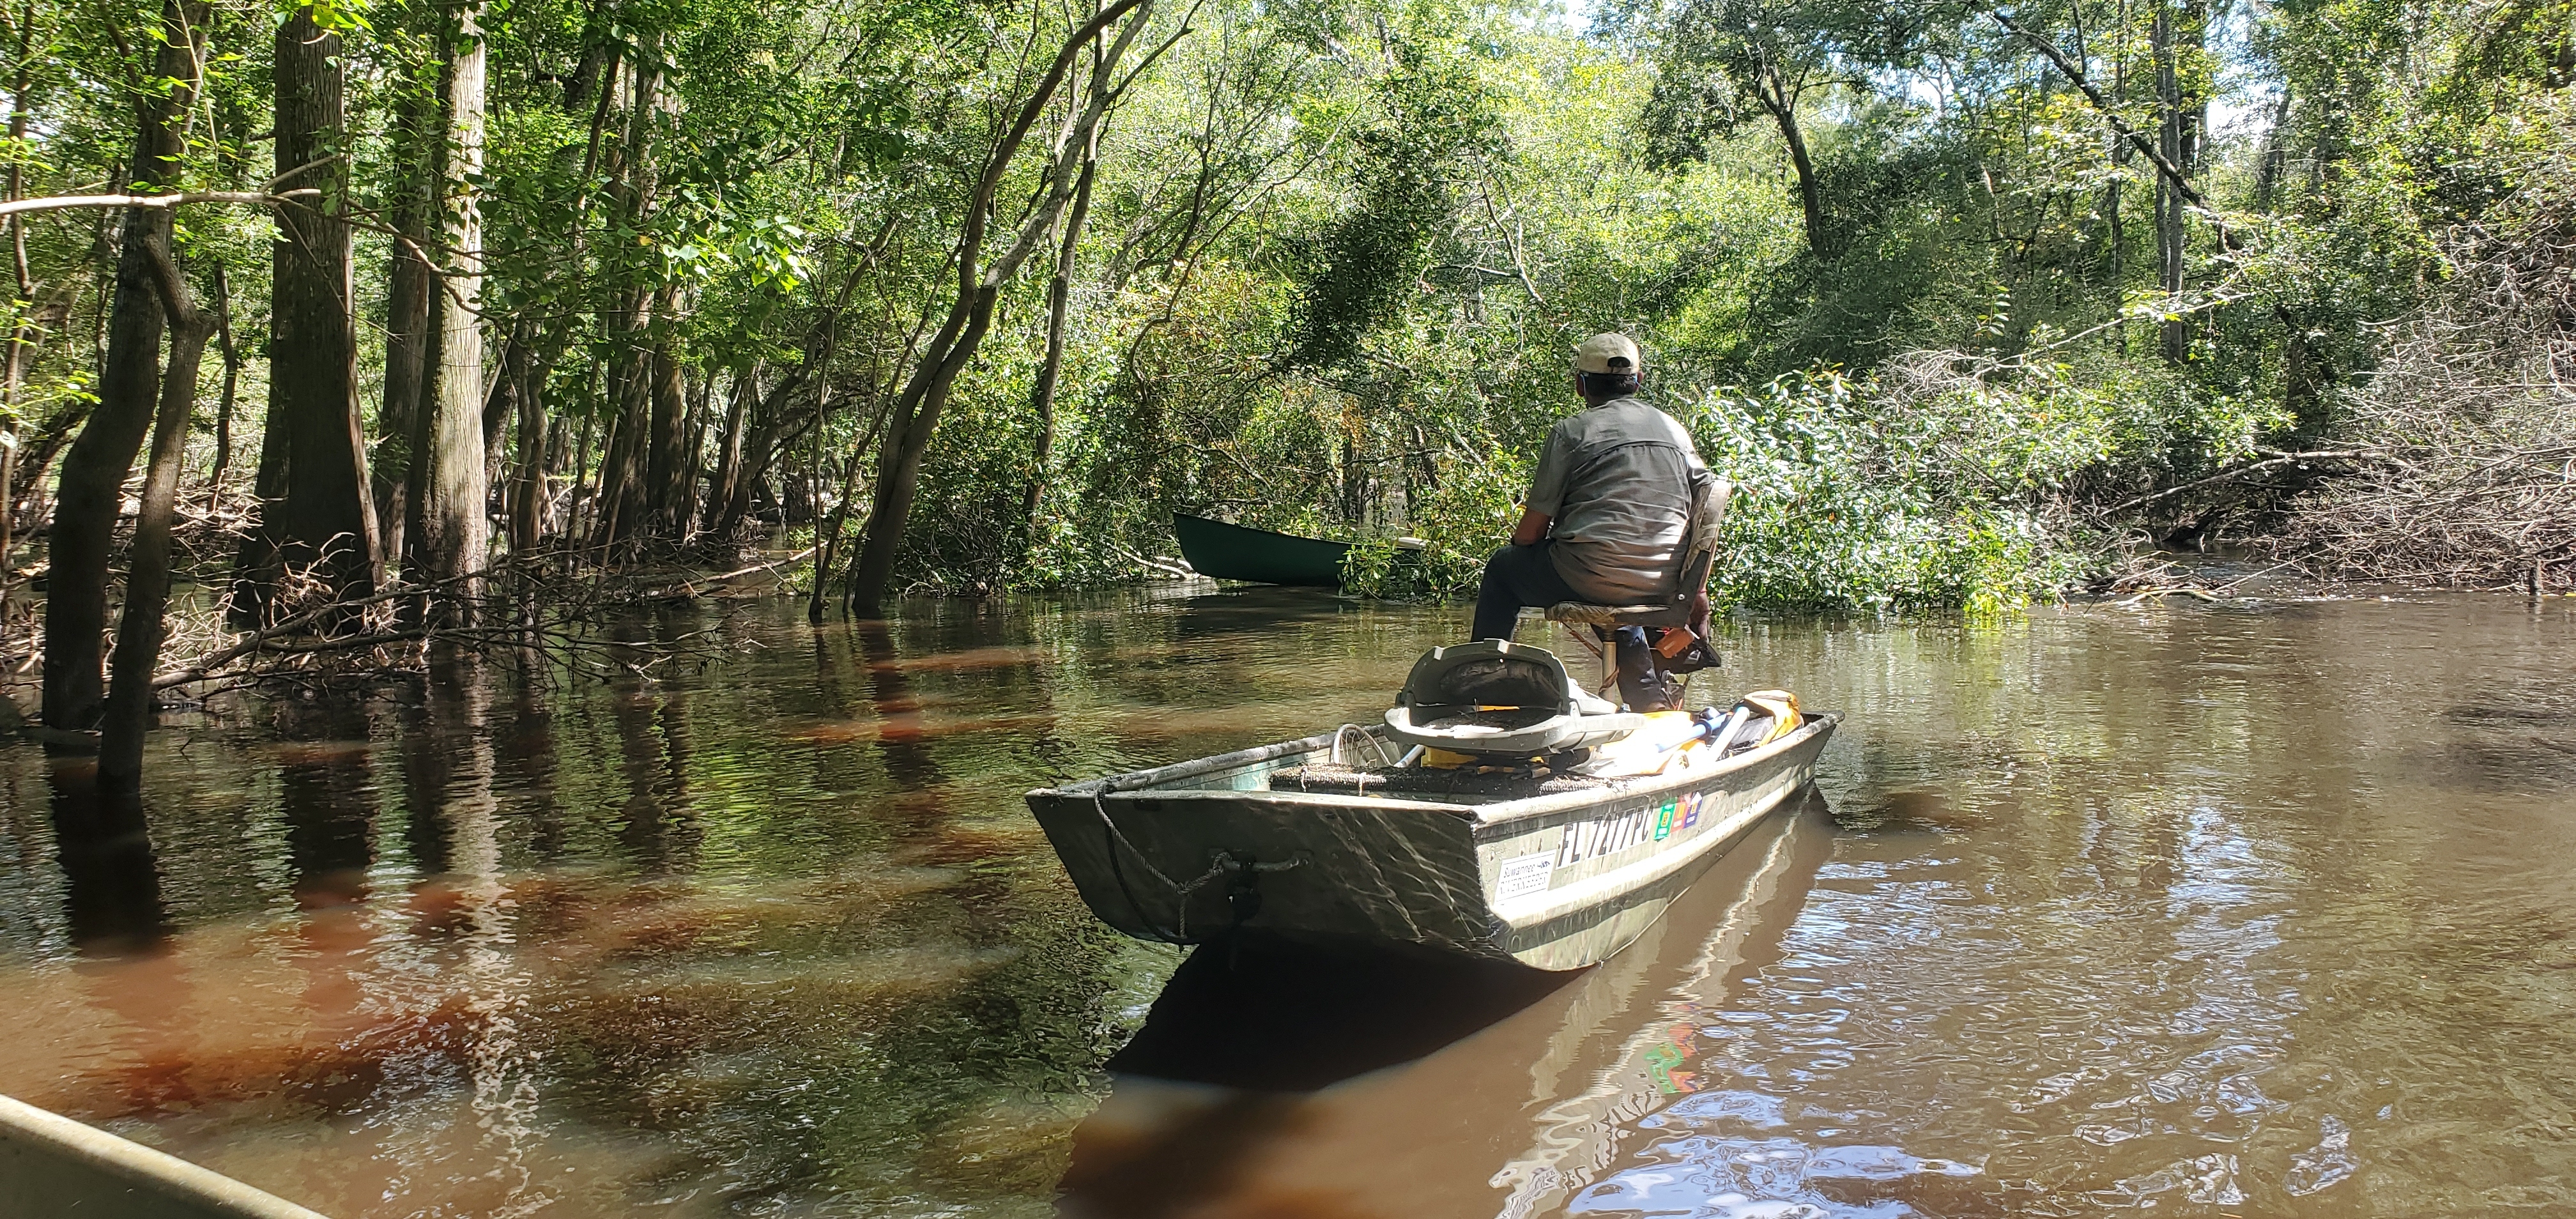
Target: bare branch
{"points": [[56, 203]]}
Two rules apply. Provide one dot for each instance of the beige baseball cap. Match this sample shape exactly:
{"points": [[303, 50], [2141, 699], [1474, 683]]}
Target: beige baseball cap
{"points": [[1608, 353]]}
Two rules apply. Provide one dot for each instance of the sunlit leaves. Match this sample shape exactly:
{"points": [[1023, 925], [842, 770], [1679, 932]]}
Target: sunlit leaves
{"points": [[1431, 117]]}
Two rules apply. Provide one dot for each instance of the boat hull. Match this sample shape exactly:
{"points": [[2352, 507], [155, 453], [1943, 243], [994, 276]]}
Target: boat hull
{"points": [[1571, 885], [1234, 552], [1187, 853]]}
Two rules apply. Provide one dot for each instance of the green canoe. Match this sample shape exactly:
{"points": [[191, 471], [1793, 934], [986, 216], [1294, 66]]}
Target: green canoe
{"points": [[1234, 552]]}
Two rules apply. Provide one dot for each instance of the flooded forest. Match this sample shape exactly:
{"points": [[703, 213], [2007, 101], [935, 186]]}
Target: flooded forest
{"points": [[542, 545]]}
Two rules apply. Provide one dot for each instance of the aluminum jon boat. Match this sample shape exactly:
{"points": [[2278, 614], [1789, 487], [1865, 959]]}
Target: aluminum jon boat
{"points": [[1556, 870]]}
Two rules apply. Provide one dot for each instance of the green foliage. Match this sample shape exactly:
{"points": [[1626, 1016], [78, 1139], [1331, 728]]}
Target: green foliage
{"points": [[1433, 118], [1339, 251], [1931, 490], [1467, 516]]}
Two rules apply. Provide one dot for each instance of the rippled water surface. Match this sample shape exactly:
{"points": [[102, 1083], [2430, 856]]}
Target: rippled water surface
{"points": [[2231, 911]]}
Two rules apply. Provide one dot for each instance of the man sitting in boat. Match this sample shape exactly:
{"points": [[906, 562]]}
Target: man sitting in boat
{"points": [[1606, 519]]}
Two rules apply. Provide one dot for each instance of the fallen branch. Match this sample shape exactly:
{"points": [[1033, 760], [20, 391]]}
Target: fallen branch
{"points": [[2243, 470], [690, 587], [2178, 591], [199, 668], [1174, 570]]}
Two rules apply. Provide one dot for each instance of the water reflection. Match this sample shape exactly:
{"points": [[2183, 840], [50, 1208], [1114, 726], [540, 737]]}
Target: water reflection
{"points": [[2246, 914], [1512, 1095], [111, 881], [902, 738], [325, 790]]}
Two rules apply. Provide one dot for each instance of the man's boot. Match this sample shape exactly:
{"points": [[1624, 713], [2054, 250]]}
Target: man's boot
{"points": [[1643, 683]]}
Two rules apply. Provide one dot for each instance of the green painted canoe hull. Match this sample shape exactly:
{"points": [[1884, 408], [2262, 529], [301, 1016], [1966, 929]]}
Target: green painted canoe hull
{"points": [[1233, 552]]}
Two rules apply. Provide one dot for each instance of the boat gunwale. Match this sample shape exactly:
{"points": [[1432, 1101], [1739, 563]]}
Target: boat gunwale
{"points": [[1510, 811], [1143, 784]]}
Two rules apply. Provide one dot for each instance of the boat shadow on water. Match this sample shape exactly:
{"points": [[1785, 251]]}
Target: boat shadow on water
{"points": [[1268, 1014], [1274, 1079]]}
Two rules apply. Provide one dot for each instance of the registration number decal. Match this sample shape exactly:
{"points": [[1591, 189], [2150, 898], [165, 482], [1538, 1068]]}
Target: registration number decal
{"points": [[1619, 831], [1524, 876]]}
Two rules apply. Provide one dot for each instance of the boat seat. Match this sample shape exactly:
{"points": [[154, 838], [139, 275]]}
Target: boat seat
{"points": [[1708, 513], [1580, 614], [1699, 555]]}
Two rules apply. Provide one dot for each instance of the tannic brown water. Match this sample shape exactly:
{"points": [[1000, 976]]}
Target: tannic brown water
{"points": [[2264, 910]]}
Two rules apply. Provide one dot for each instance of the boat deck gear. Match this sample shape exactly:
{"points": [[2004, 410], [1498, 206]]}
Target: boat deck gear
{"points": [[1492, 698], [1476, 778]]}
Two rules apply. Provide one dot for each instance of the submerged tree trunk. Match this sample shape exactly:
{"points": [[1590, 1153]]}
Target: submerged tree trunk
{"points": [[93, 474], [141, 627], [327, 524], [451, 532]]}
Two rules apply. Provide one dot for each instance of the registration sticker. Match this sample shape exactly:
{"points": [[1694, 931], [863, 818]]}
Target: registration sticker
{"points": [[1524, 876]]}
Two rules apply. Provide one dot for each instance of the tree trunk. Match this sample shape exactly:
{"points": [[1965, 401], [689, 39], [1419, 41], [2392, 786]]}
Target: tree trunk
{"points": [[828, 539], [327, 523], [693, 446], [230, 348], [527, 494], [666, 456], [2304, 376], [587, 96], [255, 567], [2275, 153], [1059, 303], [728, 472], [8, 510], [14, 374], [500, 405], [142, 626], [2172, 140], [1811, 195], [450, 528], [624, 500], [621, 468], [93, 476], [759, 452], [27, 492], [409, 282], [1782, 103]]}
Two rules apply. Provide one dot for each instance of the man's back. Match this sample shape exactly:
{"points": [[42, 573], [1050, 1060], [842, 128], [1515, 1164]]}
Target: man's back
{"points": [[1617, 479]]}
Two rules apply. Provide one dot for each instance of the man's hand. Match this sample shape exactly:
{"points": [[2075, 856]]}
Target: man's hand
{"points": [[1532, 528]]}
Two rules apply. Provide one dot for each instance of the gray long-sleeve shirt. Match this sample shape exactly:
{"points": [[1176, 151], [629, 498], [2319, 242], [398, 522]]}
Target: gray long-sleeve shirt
{"points": [[1617, 480]]}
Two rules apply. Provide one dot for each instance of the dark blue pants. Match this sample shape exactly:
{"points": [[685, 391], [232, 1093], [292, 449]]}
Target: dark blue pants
{"points": [[1517, 576]]}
